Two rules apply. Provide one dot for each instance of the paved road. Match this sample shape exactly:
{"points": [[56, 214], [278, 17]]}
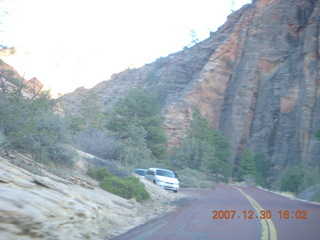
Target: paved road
{"points": [[240, 212]]}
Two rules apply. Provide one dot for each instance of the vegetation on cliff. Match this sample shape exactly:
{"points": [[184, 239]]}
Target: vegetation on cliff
{"points": [[253, 169], [143, 107], [265, 105], [29, 125], [203, 149], [246, 166], [131, 133]]}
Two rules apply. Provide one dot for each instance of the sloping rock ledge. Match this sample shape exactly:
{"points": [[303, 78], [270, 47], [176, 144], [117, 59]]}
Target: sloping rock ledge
{"points": [[36, 203]]}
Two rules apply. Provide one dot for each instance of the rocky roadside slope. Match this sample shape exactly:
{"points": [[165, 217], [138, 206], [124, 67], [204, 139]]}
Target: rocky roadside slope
{"points": [[37, 202]]}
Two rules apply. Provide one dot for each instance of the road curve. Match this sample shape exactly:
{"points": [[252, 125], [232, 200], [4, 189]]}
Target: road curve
{"points": [[233, 213]]}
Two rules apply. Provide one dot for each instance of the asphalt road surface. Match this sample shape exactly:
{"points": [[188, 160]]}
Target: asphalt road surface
{"points": [[233, 213]]}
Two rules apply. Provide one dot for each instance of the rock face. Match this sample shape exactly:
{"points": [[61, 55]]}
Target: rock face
{"points": [[256, 79], [62, 204], [11, 81]]}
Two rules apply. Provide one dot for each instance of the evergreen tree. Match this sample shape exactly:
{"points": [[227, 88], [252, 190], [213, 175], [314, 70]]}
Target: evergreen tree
{"points": [[143, 106], [29, 126], [221, 163], [263, 169], [203, 149], [292, 180], [193, 153], [246, 166], [135, 150], [200, 127], [91, 109]]}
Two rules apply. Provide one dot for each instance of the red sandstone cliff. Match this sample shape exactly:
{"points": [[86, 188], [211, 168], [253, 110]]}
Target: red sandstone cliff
{"points": [[256, 79]]}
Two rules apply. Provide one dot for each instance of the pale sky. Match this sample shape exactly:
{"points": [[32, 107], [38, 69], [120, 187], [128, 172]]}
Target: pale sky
{"points": [[72, 43]]}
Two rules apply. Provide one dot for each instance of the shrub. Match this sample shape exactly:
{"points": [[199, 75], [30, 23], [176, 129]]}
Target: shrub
{"points": [[135, 151], [193, 178], [142, 106], [292, 179], [311, 193], [316, 193], [29, 126], [48, 140], [128, 188], [112, 166], [301, 180], [97, 142], [116, 186], [99, 173], [138, 188], [91, 108], [203, 149], [246, 166]]}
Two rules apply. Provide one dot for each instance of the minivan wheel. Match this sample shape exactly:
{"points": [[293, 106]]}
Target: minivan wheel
{"points": [[154, 182], [175, 191]]}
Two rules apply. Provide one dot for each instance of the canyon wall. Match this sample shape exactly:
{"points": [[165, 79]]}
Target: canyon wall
{"points": [[256, 79]]}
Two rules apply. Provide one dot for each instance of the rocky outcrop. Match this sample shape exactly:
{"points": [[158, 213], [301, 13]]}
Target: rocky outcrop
{"points": [[58, 204], [11, 81], [256, 79]]}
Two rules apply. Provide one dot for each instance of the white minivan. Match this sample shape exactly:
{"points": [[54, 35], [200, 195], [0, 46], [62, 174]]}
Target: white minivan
{"points": [[163, 178]]}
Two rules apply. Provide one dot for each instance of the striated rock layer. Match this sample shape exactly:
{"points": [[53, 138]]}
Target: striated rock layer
{"points": [[256, 79], [65, 204]]}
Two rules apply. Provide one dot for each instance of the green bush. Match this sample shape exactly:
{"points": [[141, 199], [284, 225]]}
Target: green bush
{"points": [[135, 151], [116, 186], [29, 126], [203, 149], [111, 166], [302, 180], [138, 188], [193, 179], [143, 106], [100, 143], [129, 187], [246, 166], [292, 179], [298, 178], [48, 140], [99, 173]]}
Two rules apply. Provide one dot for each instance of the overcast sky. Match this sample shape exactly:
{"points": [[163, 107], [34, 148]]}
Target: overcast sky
{"points": [[71, 43]]}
